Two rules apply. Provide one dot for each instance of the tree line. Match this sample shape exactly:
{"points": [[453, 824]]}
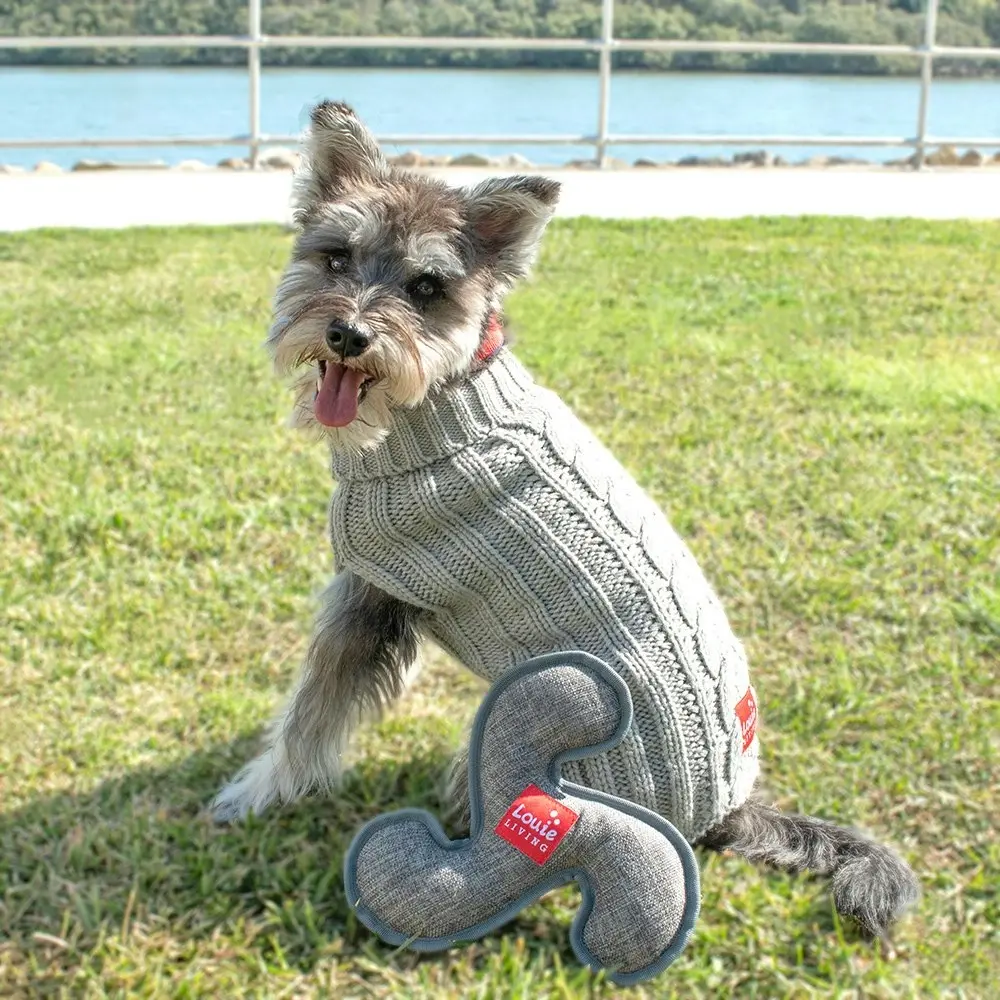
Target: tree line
{"points": [[960, 22]]}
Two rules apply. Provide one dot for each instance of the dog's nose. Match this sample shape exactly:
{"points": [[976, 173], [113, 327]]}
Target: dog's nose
{"points": [[346, 340]]}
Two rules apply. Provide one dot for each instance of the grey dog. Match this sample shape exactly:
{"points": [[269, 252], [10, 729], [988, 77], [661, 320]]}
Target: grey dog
{"points": [[472, 507]]}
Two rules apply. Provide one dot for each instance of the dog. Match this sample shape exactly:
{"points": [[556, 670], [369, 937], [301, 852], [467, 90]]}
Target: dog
{"points": [[474, 508]]}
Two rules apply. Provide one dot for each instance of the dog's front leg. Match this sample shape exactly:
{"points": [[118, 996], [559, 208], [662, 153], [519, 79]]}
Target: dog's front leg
{"points": [[364, 643]]}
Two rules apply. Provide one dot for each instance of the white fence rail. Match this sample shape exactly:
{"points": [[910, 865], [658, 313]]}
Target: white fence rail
{"points": [[255, 41]]}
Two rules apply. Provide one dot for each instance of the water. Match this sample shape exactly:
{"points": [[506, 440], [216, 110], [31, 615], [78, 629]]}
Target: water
{"points": [[51, 102]]}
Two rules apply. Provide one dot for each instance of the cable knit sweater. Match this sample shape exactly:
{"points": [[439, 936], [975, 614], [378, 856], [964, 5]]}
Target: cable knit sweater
{"points": [[494, 509]]}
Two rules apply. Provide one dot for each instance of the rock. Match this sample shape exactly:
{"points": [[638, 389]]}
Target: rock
{"points": [[515, 161], [757, 158], [85, 165], [972, 158], [45, 167], [280, 159], [234, 163], [703, 161], [779, 161], [82, 165], [610, 163], [473, 160], [137, 165], [834, 161], [644, 161], [192, 165], [10, 168], [996, 158], [950, 158], [442, 160], [411, 158], [944, 156]]}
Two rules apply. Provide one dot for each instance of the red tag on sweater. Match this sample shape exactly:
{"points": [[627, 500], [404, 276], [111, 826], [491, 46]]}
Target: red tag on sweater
{"points": [[535, 824], [746, 712]]}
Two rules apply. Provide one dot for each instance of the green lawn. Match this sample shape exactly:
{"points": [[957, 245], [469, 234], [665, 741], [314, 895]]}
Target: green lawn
{"points": [[815, 403]]}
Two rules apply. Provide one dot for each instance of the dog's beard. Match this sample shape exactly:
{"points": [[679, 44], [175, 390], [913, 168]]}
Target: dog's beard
{"points": [[398, 371]]}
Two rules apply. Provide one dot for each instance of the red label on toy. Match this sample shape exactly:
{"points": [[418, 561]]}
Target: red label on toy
{"points": [[746, 712], [536, 824]]}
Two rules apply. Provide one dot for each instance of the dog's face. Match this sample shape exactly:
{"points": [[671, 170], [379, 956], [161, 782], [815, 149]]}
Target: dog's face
{"points": [[392, 280]]}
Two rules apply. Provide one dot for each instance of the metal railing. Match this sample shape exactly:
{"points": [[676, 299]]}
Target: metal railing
{"points": [[605, 46]]}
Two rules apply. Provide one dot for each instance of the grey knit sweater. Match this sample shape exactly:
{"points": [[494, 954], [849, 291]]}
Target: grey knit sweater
{"points": [[494, 509]]}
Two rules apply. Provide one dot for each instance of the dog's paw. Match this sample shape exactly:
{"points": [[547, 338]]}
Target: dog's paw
{"points": [[228, 808], [251, 791], [232, 804]]}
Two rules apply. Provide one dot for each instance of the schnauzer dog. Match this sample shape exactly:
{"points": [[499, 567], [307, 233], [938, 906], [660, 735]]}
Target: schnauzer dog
{"points": [[474, 508]]}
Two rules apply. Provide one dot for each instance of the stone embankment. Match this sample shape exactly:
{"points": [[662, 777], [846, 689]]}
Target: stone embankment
{"points": [[287, 159]]}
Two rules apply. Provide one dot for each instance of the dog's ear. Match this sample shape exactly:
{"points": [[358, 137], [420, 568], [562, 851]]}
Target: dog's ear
{"points": [[507, 216], [339, 153]]}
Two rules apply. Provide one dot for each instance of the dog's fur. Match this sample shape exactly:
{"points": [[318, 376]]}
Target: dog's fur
{"points": [[372, 243]]}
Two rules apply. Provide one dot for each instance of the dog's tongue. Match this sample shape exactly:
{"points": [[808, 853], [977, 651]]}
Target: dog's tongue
{"points": [[336, 402]]}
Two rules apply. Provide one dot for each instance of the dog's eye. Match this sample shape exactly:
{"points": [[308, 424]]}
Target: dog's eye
{"points": [[426, 288], [338, 261]]}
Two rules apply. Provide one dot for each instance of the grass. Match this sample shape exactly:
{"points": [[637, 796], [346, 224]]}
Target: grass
{"points": [[815, 403]]}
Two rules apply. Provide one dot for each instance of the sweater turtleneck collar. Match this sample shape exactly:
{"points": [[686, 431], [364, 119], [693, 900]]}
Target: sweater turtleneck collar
{"points": [[451, 418]]}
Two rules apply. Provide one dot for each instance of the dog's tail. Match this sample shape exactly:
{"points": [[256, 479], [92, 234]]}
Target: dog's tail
{"points": [[869, 882]]}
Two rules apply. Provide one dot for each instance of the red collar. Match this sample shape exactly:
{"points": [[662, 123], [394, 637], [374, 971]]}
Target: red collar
{"points": [[492, 340]]}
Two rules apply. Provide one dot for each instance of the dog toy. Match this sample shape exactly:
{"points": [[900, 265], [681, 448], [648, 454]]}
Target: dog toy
{"points": [[532, 831]]}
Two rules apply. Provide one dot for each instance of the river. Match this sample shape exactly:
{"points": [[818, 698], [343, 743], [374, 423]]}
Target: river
{"points": [[58, 102]]}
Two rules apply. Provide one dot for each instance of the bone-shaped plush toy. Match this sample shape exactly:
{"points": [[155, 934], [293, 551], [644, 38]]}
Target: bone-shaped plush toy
{"points": [[532, 831]]}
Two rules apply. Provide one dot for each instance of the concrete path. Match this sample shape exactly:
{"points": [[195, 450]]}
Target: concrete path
{"points": [[114, 199]]}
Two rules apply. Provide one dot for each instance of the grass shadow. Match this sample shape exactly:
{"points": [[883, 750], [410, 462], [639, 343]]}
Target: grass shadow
{"points": [[139, 854]]}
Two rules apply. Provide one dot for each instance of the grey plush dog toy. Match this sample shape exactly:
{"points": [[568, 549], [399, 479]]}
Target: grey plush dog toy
{"points": [[532, 831]]}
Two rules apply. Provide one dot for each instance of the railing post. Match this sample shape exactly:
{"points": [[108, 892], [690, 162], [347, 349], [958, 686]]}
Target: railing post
{"points": [[926, 79], [604, 93], [253, 67]]}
